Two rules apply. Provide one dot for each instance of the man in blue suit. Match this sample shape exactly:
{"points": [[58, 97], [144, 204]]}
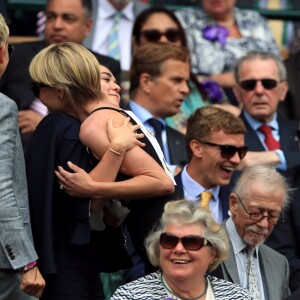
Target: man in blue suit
{"points": [[19, 275], [215, 146]]}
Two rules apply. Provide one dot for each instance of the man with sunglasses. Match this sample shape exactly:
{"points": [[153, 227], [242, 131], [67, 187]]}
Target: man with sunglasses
{"points": [[261, 86], [19, 276], [256, 205], [215, 147]]}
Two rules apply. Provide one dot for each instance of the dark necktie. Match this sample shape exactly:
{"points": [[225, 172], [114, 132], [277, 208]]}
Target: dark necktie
{"points": [[158, 127], [270, 142]]}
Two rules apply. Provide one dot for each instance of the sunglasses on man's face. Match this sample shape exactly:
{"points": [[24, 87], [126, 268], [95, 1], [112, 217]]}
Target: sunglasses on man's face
{"points": [[36, 88], [189, 242], [10, 49], [228, 151], [250, 84], [154, 35]]}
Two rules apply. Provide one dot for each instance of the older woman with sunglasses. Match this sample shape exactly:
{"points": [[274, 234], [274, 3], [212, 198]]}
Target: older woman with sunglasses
{"points": [[186, 245], [157, 24]]}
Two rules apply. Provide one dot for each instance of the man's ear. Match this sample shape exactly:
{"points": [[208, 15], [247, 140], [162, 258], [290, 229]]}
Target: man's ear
{"points": [[196, 148], [88, 27], [233, 203], [146, 82], [284, 87]]}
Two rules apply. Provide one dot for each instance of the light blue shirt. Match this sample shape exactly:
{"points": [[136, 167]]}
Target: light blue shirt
{"points": [[241, 258], [193, 189], [144, 115], [254, 124]]}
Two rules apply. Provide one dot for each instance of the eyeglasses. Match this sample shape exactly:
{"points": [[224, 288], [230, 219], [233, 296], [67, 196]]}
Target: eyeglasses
{"points": [[154, 35], [189, 242], [10, 49], [228, 151], [36, 88], [257, 216], [250, 84]]}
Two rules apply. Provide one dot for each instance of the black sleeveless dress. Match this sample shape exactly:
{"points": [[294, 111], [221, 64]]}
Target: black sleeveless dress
{"points": [[144, 213]]}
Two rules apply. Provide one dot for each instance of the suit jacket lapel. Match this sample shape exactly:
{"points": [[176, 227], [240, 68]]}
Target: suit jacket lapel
{"points": [[230, 267]]}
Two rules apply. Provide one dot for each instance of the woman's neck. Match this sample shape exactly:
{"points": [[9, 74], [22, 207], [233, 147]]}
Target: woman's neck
{"points": [[188, 289], [225, 20]]}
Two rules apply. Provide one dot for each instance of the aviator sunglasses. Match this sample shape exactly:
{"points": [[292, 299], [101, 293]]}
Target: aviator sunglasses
{"points": [[154, 35], [250, 84], [36, 88], [228, 151], [189, 242]]}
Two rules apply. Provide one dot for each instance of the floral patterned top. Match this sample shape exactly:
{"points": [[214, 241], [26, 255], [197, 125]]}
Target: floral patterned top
{"points": [[211, 57]]}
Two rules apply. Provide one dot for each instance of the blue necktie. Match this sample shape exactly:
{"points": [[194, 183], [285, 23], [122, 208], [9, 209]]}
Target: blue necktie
{"points": [[113, 38], [158, 128]]}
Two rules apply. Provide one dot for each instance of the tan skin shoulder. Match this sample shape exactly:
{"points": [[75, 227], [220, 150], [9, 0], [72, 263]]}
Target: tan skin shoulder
{"points": [[93, 131]]}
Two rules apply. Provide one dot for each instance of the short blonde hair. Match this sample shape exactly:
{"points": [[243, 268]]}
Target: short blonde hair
{"points": [[4, 31], [182, 212], [69, 66]]}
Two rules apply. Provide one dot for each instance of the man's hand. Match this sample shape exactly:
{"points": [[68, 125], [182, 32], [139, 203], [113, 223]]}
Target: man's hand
{"points": [[259, 159], [32, 282], [28, 120]]}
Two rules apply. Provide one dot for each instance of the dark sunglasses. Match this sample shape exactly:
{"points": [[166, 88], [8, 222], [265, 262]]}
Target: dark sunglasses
{"points": [[10, 49], [250, 84], [36, 88], [189, 242], [228, 151], [154, 35]]}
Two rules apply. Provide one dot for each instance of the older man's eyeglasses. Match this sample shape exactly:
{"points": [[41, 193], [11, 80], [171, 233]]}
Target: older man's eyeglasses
{"points": [[250, 84], [189, 242], [36, 88], [257, 216], [10, 49], [154, 35], [228, 151]]}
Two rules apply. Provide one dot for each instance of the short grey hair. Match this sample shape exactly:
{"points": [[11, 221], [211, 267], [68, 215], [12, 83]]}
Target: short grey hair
{"points": [[266, 176], [182, 212], [4, 31], [253, 55]]}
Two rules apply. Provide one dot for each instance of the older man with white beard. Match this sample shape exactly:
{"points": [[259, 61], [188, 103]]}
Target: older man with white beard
{"points": [[256, 204]]}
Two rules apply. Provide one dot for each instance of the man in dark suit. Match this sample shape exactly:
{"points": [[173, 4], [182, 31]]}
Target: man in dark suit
{"points": [[158, 85], [68, 20], [256, 204], [261, 86], [216, 146]]}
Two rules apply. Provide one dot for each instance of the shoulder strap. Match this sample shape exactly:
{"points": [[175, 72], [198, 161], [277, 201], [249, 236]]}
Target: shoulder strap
{"points": [[112, 108]]}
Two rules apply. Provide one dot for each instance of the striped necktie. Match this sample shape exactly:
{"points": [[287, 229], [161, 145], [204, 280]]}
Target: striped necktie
{"points": [[113, 38]]}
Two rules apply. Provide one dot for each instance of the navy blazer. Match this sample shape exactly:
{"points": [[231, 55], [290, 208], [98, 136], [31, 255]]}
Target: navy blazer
{"points": [[223, 195], [58, 219], [288, 140]]}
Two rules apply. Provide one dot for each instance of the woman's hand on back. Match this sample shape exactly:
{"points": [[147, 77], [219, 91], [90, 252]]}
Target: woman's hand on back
{"points": [[123, 137]]}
